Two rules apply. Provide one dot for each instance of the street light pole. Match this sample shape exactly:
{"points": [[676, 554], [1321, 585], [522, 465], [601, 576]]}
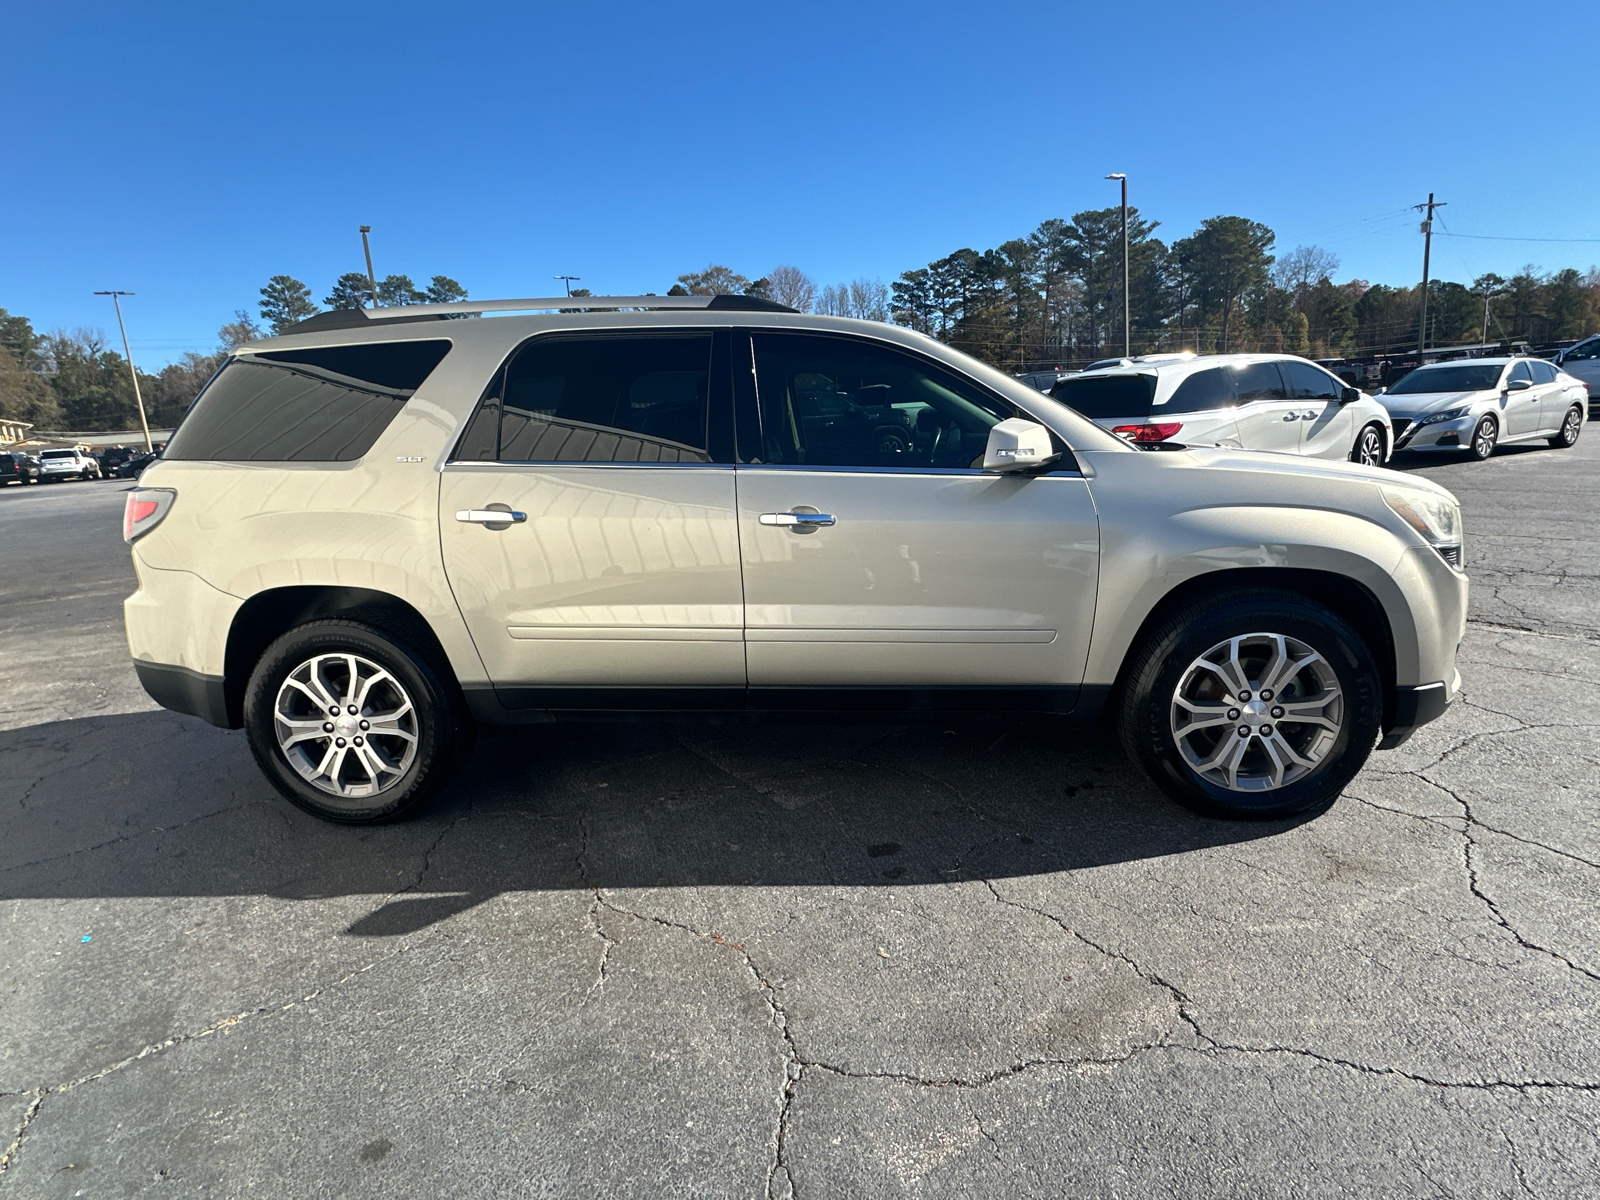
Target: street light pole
{"points": [[137, 398], [569, 280], [1427, 247], [1127, 328], [366, 248]]}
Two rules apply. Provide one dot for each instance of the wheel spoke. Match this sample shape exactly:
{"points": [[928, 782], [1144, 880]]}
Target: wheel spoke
{"points": [[318, 694], [1204, 716], [371, 681], [1310, 712]]}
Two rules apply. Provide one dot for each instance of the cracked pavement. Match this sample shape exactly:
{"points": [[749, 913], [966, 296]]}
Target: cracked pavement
{"points": [[701, 959]]}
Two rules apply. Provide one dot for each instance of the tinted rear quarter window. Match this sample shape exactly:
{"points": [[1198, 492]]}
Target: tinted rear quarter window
{"points": [[1200, 392], [322, 404], [1103, 396], [1307, 382], [1258, 381]]}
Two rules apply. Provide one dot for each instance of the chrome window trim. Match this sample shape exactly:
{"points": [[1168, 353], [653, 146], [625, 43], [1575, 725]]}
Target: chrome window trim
{"points": [[937, 472], [478, 464]]}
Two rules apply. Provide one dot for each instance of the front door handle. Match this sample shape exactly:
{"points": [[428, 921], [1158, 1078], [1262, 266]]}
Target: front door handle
{"points": [[491, 516], [797, 520]]}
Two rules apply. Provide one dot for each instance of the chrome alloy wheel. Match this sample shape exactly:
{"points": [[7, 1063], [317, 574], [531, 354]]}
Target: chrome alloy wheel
{"points": [[1571, 427], [1257, 712], [345, 725], [1369, 448], [1483, 438]]}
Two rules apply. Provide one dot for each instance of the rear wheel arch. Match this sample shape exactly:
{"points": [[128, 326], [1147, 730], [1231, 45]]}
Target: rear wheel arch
{"points": [[266, 616], [1348, 598]]}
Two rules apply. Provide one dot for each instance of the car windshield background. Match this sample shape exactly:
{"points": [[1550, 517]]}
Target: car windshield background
{"points": [[1463, 377], [1104, 396], [59, 454], [1582, 351], [622, 399], [1258, 381], [321, 404], [837, 402]]}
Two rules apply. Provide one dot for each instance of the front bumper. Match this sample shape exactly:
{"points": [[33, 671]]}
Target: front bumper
{"points": [[1441, 435]]}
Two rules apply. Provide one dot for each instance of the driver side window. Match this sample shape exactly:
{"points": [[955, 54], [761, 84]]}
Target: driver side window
{"points": [[838, 402]]}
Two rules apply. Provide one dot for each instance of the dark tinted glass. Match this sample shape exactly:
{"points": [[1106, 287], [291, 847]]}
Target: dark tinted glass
{"points": [[1522, 371], [600, 399], [1108, 395], [401, 366], [1543, 372], [1306, 382], [1476, 377], [327, 404], [1258, 381], [837, 402], [1200, 392], [1584, 350]]}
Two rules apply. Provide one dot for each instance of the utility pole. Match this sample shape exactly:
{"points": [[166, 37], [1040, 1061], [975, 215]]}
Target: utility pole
{"points": [[1427, 247], [372, 280], [137, 398], [1127, 331], [569, 280]]}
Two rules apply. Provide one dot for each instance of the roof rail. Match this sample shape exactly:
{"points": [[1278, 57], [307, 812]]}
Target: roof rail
{"points": [[360, 318]]}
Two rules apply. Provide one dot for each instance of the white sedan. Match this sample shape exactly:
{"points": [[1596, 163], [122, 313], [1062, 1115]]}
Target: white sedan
{"points": [[1473, 406]]}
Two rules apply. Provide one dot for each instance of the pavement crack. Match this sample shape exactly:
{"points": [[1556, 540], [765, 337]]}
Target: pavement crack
{"points": [[1179, 996], [128, 837], [12, 1150]]}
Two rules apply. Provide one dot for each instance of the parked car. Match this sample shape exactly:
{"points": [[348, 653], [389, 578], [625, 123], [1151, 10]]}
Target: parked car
{"points": [[134, 467], [17, 467], [1470, 407], [1251, 401], [114, 457], [373, 534], [1582, 362], [67, 464]]}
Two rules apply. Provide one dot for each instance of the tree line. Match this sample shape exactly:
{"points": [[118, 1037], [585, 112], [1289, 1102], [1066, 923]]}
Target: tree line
{"points": [[1051, 298]]}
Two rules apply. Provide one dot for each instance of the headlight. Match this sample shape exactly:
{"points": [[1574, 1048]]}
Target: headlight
{"points": [[1449, 414], [1436, 518]]}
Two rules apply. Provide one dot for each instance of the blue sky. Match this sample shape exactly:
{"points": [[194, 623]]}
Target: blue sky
{"points": [[187, 152]]}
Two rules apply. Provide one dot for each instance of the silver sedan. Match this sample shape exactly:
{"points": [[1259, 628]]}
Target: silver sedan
{"points": [[1472, 407]]}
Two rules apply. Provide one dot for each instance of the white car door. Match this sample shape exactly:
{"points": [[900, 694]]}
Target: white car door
{"points": [[1267, 418], [874, 571], [1522, 415], [587, 523], [1327, 425]]}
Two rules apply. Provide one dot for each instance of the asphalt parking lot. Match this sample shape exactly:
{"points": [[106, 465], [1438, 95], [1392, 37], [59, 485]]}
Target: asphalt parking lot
{"points": [[809, 961]]}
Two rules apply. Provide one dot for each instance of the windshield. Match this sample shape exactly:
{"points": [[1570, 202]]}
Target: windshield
{"points": [[1107, 395], [59, 454], [1476, 377]]}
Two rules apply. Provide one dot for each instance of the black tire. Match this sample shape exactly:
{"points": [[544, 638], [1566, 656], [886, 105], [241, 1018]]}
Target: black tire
{"points": [[1161, 664], [1571, 426], [443, 728], [1485, 434], [1368, 450]]}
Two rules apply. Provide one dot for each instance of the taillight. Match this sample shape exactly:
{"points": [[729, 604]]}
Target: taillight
{"points": [[144, 510], [1148, 433]]}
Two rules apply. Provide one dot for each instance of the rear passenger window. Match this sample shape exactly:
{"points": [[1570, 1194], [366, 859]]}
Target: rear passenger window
{"points": [[1203, 390], [1306, 382], [1543, 372], [1258, 381], [599, 399], [325, 404]]}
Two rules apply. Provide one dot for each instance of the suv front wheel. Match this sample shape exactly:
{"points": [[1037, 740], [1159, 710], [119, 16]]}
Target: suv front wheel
{"points": [[351, 724], [1252, 704]]}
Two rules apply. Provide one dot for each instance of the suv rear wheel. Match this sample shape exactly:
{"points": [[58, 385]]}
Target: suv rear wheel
{"points": [[351, 724], [1252, 704]]}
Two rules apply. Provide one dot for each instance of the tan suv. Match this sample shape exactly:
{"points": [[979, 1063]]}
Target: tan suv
{"points": [[376, 532]]}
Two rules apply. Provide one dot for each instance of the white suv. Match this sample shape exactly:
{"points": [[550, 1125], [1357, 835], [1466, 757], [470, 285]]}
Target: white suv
{"points": [[1252, 401], [383, 529], [55, 465]]}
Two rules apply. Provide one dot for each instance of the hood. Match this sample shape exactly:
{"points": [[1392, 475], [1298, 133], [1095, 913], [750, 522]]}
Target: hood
{"points": [[1424, 403]]}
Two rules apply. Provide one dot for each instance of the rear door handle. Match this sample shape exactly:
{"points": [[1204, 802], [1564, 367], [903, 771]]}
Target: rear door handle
{"points": [[797, 520], [491, 516]]}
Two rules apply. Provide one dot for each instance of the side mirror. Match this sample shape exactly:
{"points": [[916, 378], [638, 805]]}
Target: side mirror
{"points": [[1348, 394], [1518, 385], [1018, 445]]}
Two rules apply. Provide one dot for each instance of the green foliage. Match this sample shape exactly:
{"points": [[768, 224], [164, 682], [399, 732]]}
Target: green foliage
{"points": [[284, 301], [350, 290], [444, 290], [396, 290], [714, 281], [1225, 260]]}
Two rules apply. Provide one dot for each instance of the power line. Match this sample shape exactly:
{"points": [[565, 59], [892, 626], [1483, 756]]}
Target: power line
{"points": [[1488, 237]]}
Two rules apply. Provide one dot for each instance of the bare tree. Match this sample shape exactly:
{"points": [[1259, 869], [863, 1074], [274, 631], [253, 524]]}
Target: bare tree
{"points": [[863, 299], [792, 286], [1304, 267]]}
